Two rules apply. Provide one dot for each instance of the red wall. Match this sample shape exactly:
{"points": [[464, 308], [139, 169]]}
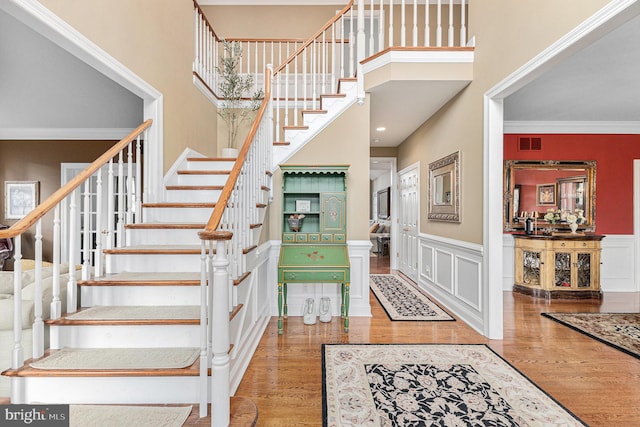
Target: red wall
{"points": [[614, 155]]}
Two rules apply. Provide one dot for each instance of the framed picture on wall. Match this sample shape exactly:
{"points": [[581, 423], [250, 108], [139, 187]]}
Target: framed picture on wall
{"points": [[384, 203], [20, 198], [546, 194]]}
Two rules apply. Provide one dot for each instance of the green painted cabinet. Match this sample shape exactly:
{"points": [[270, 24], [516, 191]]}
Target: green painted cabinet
{"points": [[314, 232]]}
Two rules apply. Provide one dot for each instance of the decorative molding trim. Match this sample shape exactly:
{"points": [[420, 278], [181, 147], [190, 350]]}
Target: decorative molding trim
{"points": [[543, 127], [453, 243], [419, 57], [44, 134]]}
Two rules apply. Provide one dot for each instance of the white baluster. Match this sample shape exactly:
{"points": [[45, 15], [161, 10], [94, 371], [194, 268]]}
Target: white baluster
{"points": [[305, 72], [333, 58], [450, 33], [98, 265], [391, 23], [111, 208], [323, 90], [314, 73], [286, 95], [138, 177], [415, 22], [196, 53], [403, 24], [121, 197], [73, 237], [352, 47], [56, 304], [85, 231], [463, 24], [130, 183], [18, 352], [427, 24], [295, 91], [361, 52], [381, 23], [371, 32], [38, 325], [439, 24]]}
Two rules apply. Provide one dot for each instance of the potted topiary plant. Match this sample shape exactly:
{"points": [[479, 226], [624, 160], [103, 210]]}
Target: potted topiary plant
{"points": [[235, 109]]}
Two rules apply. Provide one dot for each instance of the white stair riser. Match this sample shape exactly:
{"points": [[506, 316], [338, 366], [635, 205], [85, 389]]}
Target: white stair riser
{"points": [[139, 295], [210, 165], [146, 263], [164, 236], [112, 390], [177, 215], [196, 196], [121, 336], [189, 179]]}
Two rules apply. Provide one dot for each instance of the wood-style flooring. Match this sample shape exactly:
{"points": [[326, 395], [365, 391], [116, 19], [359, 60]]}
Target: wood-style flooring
{"points": [[599, 384]]}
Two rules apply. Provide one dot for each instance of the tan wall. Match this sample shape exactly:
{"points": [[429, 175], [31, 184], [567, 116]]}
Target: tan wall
{"points": [[44, 167], [503, 45], [344, 142], [268, 21], [153, 38]]}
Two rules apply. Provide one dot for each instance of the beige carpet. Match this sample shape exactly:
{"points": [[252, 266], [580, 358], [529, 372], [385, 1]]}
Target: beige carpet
{"points": [[118, 358], [138, 313], [127, 416]]}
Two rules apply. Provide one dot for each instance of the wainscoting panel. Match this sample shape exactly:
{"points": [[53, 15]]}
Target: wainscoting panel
{"points": [[458, 276], [616, 272]]}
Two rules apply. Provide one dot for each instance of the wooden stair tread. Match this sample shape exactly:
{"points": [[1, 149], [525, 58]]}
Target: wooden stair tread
{"points": [[314, 111], [130, 278], [203, 172], [281, 143], [156, 250], [333, 95], [162, 225], [28, 371], [292, 127], [178, 205], [194, 187], [210, 159]]}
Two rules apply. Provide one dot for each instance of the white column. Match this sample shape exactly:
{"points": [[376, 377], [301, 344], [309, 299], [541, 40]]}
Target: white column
{"points": [[361, 52]]}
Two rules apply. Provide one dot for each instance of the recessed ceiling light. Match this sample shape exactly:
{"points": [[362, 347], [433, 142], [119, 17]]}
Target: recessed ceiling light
{"points": [[381, 129]]}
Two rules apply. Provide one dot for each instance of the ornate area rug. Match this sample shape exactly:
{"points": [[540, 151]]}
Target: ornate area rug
{"points": [[431, 385], [119, 416], [618, 330], [402, 301], [118, 358]]}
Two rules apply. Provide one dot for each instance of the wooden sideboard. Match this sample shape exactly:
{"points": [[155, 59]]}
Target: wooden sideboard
{"points": [[558, 266]]}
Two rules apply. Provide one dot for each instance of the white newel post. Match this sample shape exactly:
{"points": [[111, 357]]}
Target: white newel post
{"points": [[204, 356], [56, 303], [220, 390], [17, 359]]}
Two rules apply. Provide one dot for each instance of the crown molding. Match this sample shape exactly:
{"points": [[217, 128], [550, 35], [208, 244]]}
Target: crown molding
{"points": [[572, 127], [44, 134]]}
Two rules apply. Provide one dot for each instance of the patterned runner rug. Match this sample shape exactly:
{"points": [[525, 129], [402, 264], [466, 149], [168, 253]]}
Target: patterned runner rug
{"points": [[431, 384], [618, 330], [403, 301], [119, 416]]}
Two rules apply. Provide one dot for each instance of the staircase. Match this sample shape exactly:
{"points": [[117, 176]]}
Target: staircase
{"points": [[154, 282]]}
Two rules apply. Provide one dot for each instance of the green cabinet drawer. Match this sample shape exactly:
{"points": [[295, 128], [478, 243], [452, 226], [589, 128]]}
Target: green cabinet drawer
{"points": [[314, 237], [327, 237], [288, 237], [338, 237], [320, 276], [302, 237]]}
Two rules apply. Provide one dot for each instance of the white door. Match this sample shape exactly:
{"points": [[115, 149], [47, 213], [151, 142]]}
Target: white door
{"points": [[409, 219]]}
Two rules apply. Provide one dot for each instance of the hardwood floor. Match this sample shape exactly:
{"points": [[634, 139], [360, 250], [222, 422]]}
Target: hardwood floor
{"points": [[597, 383]]}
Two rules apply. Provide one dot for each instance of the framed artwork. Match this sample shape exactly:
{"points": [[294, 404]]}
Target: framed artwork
{"points": [[384, 203], [20, 198], [444, 189], [303, 205], [546, 194]]}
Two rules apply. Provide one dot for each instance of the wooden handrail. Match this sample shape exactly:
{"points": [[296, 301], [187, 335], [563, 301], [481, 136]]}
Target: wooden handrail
{"points": [[197, 6], [263, 40], [313, 37], [43, 208], [208, 233]]}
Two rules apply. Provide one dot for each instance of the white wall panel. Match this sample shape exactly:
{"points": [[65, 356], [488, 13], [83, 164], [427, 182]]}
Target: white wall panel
{"points": [[469, 283]]}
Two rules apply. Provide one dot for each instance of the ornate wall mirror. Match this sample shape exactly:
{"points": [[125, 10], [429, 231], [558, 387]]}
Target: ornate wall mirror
{"points": [[552, 192], [444, 189]]}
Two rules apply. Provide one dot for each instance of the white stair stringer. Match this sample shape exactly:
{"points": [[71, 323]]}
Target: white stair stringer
{"points": [[297, 138]]}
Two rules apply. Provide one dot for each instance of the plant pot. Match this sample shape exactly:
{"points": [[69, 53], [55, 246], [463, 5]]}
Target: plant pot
{"points": [[230, 152]]}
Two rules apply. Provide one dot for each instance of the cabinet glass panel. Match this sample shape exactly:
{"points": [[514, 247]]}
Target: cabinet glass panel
{"points": [[563, 269], [531, 270], [583, 267]]}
